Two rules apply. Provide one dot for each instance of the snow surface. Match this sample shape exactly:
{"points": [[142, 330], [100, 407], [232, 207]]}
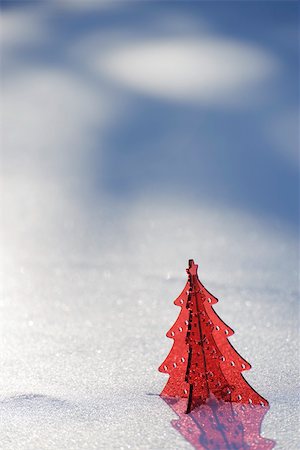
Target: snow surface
{"points": [[108, 191], [88, 297]]}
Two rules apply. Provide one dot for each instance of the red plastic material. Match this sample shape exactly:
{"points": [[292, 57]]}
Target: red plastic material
{"points": [[202, 362]]}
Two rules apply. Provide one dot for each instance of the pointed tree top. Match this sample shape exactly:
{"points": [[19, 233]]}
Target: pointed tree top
{"points": [[192, 269]]}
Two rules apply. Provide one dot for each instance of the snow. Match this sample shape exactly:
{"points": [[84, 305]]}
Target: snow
{"points": [[108, 189], [88, 297]]}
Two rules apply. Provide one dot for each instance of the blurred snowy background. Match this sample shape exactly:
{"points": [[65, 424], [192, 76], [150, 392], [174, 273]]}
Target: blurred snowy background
{"points": [[137, 135]]}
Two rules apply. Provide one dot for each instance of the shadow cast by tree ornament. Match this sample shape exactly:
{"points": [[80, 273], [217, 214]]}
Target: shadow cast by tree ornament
{"points": [[205, 385], [220, 425]]}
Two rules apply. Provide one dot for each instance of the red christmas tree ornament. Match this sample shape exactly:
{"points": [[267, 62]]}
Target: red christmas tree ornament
{"points": [[202, 363]]}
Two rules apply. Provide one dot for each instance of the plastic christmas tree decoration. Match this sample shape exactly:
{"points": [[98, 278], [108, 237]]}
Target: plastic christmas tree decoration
{"points": [[202, 363]]}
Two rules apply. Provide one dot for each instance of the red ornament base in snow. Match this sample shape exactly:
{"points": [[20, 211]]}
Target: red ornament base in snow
{"points": [[202, 363]]}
